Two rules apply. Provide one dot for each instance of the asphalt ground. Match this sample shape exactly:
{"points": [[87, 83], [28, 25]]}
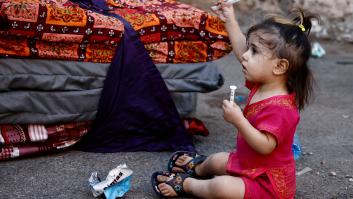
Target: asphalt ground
{"points": [[325, 131]]}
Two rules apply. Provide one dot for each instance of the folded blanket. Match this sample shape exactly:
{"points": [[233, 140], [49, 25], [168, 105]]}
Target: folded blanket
{"points": [[172, 32], [34, 139]]}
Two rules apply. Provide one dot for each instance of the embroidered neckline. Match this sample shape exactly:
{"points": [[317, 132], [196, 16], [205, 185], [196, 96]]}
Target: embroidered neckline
{"points": [[253, 91], [285, 100], [271, 98]]}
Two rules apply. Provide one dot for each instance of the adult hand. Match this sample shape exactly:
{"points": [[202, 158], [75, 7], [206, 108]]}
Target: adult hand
{"points": [[231, 112]]}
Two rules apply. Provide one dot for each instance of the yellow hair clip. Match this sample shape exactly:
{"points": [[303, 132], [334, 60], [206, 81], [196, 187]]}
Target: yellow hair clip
{"points": [[301, 26]]}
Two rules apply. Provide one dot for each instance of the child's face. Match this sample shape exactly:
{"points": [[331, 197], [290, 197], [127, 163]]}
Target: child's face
{"points": [[258, 61]]}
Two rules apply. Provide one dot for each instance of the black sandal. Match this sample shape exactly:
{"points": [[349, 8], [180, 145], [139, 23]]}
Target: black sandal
{"points": [[176, 182], [189, 167]]}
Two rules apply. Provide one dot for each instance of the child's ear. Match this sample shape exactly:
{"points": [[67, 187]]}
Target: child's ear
{"points": [[281, 67]]}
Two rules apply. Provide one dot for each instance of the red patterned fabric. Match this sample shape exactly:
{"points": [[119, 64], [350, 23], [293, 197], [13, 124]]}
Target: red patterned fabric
{"points": [[58, 29], [24, 140], [34, 139]]}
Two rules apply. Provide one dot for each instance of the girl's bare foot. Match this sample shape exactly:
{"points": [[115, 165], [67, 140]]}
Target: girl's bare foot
{"points": [[186, 162], [168, 184], [166, 189], [181, 161]]}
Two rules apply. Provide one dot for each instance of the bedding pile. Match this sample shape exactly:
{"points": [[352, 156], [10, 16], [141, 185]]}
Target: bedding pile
{"points": [[57, 29], [57, 58]]}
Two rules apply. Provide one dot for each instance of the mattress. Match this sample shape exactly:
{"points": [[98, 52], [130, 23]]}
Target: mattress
{"points": [[46, 91]]}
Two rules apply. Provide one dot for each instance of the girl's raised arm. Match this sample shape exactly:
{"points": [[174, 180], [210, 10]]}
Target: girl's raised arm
{"points": [[236, 36]]}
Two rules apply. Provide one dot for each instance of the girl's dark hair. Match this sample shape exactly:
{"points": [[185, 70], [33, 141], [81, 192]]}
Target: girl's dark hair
{"points": [[288, 38]]}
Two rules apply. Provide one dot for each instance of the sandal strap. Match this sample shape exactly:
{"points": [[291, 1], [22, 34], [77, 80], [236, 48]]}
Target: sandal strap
{"points": [[189, 167], [177, 183]]}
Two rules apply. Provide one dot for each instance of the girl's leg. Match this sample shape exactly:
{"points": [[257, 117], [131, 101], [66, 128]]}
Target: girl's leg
{"points": [[215, 164], [217, 187]]}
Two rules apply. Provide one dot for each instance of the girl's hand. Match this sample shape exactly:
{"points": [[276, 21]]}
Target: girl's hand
{"points": [[231, 112], [225, 11]]}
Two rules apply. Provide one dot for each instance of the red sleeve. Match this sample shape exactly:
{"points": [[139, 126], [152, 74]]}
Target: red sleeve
{"points": [[278, 121]]}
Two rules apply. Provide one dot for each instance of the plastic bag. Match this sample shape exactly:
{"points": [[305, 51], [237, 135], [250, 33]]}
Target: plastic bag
{"points": [[116, 184], [296, 147], [317, 50]]}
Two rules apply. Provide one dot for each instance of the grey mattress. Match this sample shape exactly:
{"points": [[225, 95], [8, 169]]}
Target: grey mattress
{"points": [[45, 91]]}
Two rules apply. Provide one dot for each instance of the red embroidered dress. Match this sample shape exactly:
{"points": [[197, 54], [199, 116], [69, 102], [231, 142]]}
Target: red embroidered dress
{"points": [[279, 116]]}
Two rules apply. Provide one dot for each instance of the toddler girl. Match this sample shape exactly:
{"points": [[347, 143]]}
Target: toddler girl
{"points": [[274, 56]]}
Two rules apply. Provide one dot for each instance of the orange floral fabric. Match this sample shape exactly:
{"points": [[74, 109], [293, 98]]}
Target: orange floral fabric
{"points": [[59, 29]]}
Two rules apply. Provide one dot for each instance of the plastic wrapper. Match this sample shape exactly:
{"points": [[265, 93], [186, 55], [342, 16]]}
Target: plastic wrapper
{"points": [[115, 185]]}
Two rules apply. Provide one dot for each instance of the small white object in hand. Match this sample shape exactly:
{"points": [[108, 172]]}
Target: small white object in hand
{"points": [[231, 1], [217, 7], [232, 92]]}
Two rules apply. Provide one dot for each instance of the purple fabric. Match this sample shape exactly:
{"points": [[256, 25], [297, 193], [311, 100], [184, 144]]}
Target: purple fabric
{"points": [[136, 111]]}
